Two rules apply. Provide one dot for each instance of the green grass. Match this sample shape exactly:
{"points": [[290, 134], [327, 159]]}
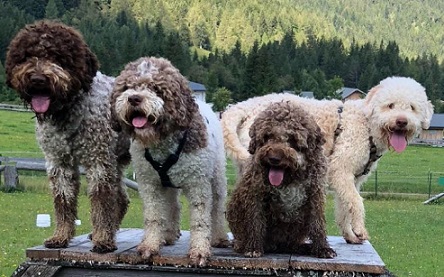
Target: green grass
{"points": [[17, 135], [405, 233]]}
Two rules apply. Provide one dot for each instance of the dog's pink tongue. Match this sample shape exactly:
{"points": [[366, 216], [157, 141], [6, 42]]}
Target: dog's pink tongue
{"points": [[40, 104], [139, 121], [398, 141], [275, 176]]}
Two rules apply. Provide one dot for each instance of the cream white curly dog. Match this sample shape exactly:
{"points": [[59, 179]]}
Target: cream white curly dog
{"points": [[358, 133], [177, 143]]}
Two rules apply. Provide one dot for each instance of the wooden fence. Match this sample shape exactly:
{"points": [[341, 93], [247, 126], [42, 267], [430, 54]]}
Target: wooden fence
{"points": [[16, 108], [10, 168]]}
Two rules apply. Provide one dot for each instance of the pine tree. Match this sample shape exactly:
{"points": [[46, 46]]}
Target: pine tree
{"points": [[51, 11]]}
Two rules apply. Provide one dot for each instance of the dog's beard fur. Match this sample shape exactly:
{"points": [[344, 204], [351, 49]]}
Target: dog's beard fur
{"points": [[55, 85], [141, 120], [278, 159]]}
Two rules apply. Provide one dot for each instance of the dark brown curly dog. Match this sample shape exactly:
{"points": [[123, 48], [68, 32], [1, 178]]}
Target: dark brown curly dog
{"points": [[278, 203], [54, 71]]}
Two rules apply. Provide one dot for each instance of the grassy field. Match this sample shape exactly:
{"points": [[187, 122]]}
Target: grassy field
{"points": [[404, 232]]}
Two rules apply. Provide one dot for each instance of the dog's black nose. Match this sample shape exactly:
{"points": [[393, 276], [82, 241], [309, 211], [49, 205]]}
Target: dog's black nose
{"points": [[401, 122], [38, 79], [135, 100]]}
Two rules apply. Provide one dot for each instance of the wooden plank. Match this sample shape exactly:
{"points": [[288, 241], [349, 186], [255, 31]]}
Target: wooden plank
{"points": [[436, 197], [351, 258], [33, 270], [42, 253], [126, 239]]}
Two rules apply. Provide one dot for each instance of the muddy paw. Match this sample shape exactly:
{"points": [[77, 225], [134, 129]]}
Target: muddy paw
{"points": [[102, 249], [253, 254], [325, 253], [353, 239], [56, 242], [147, 252], [361, 234], [221, 243], [199, 258]]}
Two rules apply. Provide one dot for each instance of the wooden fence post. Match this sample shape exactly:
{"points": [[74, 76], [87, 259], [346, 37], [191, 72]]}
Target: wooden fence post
{"points": [[11, 176]]}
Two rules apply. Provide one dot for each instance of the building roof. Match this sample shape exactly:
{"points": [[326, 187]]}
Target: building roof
{"points": [[437, 121], [197, 87], [307, 94], [346, 92]]}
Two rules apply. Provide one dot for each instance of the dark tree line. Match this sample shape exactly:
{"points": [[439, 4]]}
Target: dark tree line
{"points": [[317, 64]]}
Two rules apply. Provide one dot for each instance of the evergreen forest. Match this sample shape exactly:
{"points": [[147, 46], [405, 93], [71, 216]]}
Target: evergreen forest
{"points": [[241, 49]]}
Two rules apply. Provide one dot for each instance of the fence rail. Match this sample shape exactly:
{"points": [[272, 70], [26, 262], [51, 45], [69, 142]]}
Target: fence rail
{"points": [[16, 108], [10, 167]]}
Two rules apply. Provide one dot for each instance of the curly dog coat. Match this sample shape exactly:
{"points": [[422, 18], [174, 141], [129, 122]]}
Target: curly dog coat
{"points": [[182, 139], [357, 133], [279, 200], [53, 70]]}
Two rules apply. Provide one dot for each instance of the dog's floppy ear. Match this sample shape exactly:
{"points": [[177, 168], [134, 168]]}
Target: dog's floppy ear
{"points": [[427, 112], [115, 123], [92, 62], [368, 99], [253, 141]]}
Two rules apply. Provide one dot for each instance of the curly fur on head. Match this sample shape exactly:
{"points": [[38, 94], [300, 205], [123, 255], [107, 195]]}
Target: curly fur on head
{"points": [[152, 100], [50, 66], [279, 200]]}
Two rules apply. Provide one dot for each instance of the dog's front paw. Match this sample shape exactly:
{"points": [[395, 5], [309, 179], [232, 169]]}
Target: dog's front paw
{"points": [[353, 239], [361, 233], [325, 253], [104, 248], [253, 254], [56, 242], [199, 257], [147, 252], [221, 243]]}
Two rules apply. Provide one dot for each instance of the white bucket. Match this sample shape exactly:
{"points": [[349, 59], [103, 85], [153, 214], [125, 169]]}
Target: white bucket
{"points": [[43, 220]]}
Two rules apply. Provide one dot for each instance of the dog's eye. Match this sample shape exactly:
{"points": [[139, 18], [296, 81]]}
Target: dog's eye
{"points": [[267, 138], [391, 106], [413, 108]]}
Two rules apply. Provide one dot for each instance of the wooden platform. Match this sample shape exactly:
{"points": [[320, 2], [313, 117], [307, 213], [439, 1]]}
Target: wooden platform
{"points": [[77, 260]]}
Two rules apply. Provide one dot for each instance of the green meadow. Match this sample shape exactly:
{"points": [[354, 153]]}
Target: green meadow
{"points": [[405, 233]]}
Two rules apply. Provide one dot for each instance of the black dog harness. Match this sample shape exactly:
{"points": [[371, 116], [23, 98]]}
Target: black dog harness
{"points": [[162, 169], [373, 150], [373, 158]]}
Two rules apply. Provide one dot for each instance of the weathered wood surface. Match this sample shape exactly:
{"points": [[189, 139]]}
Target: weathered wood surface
{"points": [[352, 260]]}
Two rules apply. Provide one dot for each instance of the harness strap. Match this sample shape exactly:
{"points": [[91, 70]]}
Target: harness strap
{"points": [[373, 158], [338, 129], [162, 169]]}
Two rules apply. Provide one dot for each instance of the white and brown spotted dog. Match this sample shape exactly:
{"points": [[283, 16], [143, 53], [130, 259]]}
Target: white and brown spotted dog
{"points": [[177, 143]]}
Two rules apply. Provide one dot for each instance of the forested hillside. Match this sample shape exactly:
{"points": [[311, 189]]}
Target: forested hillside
{"points": [[240, 49]]}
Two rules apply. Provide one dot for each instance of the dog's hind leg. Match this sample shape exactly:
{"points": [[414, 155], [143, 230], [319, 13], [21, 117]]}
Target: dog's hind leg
{"points": [[65, 183], [219, 236]]}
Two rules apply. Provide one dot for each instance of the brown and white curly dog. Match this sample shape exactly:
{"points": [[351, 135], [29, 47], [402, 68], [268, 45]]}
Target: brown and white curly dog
{"points": [[54, 71], [278, 203], [177, 143]]}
